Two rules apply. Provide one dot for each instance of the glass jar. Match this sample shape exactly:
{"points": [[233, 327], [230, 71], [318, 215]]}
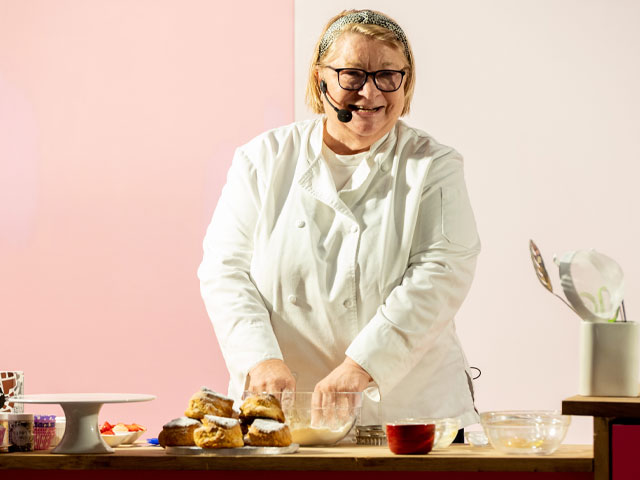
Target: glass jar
{"points": [[21, 432]]}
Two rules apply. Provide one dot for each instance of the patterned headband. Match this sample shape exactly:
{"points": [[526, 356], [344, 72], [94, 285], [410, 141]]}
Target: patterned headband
{"points": [[365, 17]]}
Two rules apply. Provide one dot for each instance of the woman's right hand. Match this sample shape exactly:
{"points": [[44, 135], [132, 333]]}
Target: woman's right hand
{"points": [[271, 376]]}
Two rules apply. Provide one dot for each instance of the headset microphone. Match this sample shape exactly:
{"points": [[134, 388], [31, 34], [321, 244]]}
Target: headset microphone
{"points": [[343, 115]]}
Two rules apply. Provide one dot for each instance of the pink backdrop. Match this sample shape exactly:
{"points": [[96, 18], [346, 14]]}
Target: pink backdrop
{"points": [[118, 120]]}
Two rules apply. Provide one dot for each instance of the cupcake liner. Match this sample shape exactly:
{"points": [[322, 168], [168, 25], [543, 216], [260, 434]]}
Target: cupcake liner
{"points": [[42, 437]]}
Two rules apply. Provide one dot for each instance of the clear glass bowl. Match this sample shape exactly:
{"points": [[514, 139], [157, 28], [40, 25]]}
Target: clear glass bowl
{"points": [[525, 432], [476, 438], [446, 430], [319, 421]]}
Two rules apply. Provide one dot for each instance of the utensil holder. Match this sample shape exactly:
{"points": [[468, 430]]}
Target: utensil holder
{"points": [[609, 359]]}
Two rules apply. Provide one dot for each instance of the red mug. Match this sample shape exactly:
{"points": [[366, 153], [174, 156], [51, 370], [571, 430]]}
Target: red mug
{"points": [[405, 438]]}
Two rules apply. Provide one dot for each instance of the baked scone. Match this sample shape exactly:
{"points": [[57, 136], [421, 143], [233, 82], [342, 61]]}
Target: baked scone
{"points": [[218, 432], [245, 423], [269, 433], [207, 402], [261, 405], [178, 432]]}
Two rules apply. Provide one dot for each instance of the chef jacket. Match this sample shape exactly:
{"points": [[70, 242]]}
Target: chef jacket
{"points": [[295, 270]]}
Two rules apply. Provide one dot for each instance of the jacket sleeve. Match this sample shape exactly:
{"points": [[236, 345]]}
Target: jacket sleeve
{"points": [[438, 276], [240, 318]]}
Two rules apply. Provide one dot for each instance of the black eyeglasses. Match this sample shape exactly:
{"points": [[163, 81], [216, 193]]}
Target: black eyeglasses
{"points": [[355, 78]]}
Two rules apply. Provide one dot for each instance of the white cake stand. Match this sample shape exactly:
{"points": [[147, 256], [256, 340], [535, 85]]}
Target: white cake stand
{"points": [[82, 434]]}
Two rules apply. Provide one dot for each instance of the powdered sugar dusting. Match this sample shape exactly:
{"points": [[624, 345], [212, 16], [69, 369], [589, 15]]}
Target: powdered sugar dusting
{"points": [[206, 391], [267, 426], [181, 422], [223, 422]]}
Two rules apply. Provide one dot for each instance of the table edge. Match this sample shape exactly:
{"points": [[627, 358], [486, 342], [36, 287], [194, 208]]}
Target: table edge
{"points": [[579, 461]]}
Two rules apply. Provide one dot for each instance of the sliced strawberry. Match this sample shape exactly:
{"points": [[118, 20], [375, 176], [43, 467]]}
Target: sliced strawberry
{"points": [[106, 426]]}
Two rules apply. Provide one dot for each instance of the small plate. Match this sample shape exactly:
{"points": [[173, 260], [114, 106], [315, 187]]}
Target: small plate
{"points": [[246, 450], [116, 439]]}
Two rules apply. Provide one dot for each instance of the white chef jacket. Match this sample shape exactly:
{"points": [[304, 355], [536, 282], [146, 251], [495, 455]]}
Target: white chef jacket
{"points": [[297, 271]]}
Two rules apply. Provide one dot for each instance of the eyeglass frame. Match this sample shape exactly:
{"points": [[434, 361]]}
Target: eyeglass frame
{"points": [[366, 77]]}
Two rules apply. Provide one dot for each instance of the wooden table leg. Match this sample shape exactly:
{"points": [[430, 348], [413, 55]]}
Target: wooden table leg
{"points": [[602, 448]]}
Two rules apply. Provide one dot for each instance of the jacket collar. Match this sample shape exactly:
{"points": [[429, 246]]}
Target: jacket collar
{"points": [[382, 146], [316, 178]]}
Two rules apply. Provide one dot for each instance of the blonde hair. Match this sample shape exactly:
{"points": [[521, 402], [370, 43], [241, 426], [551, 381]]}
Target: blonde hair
{"points": [[313, 93]]}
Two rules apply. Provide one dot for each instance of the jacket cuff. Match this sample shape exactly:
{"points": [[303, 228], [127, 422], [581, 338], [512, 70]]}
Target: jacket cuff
{"points": [[258, 344], [370, 349]]}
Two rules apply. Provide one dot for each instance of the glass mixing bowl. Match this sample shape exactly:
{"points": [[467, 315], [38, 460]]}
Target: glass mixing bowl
{"points": [[446, 431], [525, 432], [319, 421]]}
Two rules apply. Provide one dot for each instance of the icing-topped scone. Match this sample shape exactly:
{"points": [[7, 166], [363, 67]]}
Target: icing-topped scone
{"points": [[207, 402], [178, 432], [261, 405], [218, 432], [269, 433]]}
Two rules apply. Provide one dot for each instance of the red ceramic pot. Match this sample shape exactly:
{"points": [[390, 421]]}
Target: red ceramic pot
{"points": [[410, 438]]}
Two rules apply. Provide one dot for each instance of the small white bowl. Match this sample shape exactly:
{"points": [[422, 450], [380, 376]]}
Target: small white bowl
{"points": [[133, 436], [116, 439]]}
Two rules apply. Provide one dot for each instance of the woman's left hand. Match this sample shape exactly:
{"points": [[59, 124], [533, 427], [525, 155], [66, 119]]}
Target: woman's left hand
{"points": [[346, 377]]}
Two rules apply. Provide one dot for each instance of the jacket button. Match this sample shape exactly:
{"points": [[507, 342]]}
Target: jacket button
{"points": [[348, 303], [292, 299], [300, 223], [384, 167], [354, 229]]}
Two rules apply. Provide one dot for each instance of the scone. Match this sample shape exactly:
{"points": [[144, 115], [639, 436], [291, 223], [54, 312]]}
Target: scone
{"points": [[178, 432], [269, 433], [218, 432], [245, 423], [261, 405], [207, 402]]}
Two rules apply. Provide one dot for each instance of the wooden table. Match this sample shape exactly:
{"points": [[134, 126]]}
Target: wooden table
{"points": [[573, 462], [607, 412]]}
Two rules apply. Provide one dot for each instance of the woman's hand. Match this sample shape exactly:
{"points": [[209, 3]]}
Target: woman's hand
{"points": [[272, 376], [346, 377]]}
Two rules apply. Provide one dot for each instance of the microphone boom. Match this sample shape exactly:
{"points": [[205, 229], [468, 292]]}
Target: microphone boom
{"points": [[344, 116]]}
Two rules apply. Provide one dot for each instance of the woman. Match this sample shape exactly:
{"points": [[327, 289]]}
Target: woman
{"points": [[341, 247]]}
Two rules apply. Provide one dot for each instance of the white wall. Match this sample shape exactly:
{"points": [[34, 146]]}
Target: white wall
{"points": [[543, 100]]}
